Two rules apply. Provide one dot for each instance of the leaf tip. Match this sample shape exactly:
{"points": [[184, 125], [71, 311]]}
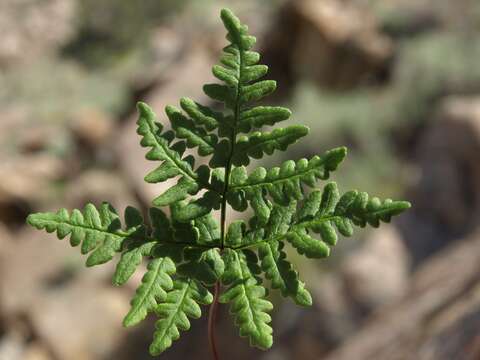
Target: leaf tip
{"points": [[143, 107], [31, 219]]}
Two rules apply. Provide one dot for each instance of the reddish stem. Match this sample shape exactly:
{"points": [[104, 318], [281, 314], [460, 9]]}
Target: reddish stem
{"points": [[212, 317]]}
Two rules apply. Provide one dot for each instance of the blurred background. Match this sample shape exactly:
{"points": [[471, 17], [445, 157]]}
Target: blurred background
{"points": [[397, 81]]}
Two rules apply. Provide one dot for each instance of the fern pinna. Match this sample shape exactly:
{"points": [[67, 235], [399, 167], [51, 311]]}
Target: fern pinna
{"points": [[190, 252]]}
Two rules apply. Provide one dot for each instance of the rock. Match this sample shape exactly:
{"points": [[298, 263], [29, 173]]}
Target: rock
{"points": [[438, 318], [334, 316], [301, 332], [30, 28], [335, 43], [74, 311], [378, 273], [167, 45], [5, 238], [22, 177], [42, 259], [15, 346], [11, 347], [409, 18], [97, 186], [447, 157], [36, 351], [92, 127], [92, 331]]}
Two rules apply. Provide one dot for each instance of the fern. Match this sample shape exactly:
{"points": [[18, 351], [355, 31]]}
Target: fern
{"points": [[190, 251]]}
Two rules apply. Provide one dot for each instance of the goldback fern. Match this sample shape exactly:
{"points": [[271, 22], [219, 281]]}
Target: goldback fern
{"points": [[191, 252]]}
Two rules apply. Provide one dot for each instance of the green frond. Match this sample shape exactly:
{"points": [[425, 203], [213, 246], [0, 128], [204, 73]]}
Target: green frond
{"points": [[282, 274], [241, 74], [325, 212], [205, 265], [197, 208], [281, 183], [235, 233], [273, 259], [180, 304], [97, 230], [152, 291], [136, 248], [247, 298], [194, 136], [171, 156], [201, 115], [131, 258], [260, 116], [189, 250], [208, 230], [256, 144]]}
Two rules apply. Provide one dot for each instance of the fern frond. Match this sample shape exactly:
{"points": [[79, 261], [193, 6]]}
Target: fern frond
{"points": [[171, 156], [189, 250], [137, 247], [97, 230], [247, 298], [281, 183], [208, 231], [153, 290], [195, 136], [260, 116], [273, 259], [282, 274], [131, 258], [197, 208], [180, 304], [257, 144], [324, 213], [206, 266], [202, 115], [241, 75]]}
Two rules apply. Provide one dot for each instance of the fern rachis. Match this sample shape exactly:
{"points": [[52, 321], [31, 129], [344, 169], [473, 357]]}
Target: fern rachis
{"points": [[190, 252]]}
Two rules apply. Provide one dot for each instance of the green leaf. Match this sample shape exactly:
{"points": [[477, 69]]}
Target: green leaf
{"points": [[306, 245], [258, 91], [186, 129], [98, 231], [237, 33], [178, 192], [189, 250], [247, 298], [197, 208], [219, 92], [130, 260], [323, 212], [171, 155], [283, 183], [208, 230], [235, 233], [202, 115], [258, 143], [253, 73], [230, 77], [281, 273], [153, 290], [260, 116], [206, 266], [180, 304]]}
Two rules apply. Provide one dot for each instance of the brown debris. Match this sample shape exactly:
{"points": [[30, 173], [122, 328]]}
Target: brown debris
{"points": [[334, 43], [438, 317]]}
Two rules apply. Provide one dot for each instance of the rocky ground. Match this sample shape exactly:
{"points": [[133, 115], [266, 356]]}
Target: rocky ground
{"points": [[397, 81]]}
